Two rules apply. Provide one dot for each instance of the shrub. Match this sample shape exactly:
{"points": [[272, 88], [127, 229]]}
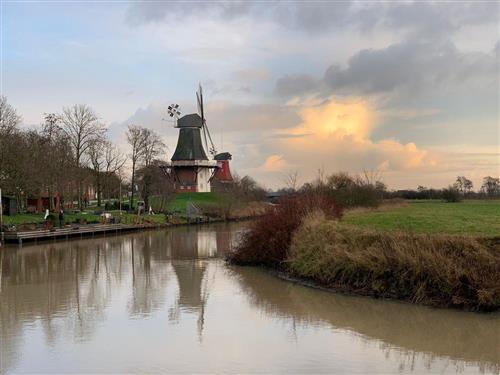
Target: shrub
{"points": [[351, 191], [451, 194], [439, 270], [359, 195], [268, 240]]}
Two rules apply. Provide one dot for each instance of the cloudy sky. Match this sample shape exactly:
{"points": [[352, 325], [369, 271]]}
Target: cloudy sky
{"points": [[410, 90]]}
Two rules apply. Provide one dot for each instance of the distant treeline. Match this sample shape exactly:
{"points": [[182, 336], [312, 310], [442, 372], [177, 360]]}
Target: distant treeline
{"points": [[367, 189], [461, 188]]}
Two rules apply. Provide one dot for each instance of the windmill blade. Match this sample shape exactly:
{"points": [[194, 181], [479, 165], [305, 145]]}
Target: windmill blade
{"points": [[199, 96], [199, 104], [205, 138], [213, 151], [206, 132]]}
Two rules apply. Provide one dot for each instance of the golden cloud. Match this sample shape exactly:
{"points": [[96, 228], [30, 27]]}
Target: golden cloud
{"points": [[339, 138], [274, 163]]}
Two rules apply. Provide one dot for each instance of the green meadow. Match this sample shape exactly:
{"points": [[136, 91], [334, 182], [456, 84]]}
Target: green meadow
{"points": [[470, 217]]}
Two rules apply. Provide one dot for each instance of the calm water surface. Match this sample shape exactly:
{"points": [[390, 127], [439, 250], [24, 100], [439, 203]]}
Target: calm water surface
{"points": [[164, 301]]}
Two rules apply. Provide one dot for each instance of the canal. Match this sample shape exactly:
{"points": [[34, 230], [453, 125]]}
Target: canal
{"points": [[165, 301]]}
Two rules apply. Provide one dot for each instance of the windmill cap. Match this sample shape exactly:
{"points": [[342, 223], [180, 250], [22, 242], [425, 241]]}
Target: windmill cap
{"points": [[223, 156], [192, 120]]}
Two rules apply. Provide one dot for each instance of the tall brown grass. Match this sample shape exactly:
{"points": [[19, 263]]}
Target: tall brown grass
{"points": [[439, 270], [268, 240]]}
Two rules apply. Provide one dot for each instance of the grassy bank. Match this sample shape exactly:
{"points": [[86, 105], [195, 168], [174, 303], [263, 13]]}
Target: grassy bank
{"points": [[449, 270], [473, 217], [199, 199], [213, 205], [438, 270], [84, 217]]}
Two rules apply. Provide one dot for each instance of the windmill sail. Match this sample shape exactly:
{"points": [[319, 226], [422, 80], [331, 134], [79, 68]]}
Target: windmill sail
{"points": [[206, 132]]}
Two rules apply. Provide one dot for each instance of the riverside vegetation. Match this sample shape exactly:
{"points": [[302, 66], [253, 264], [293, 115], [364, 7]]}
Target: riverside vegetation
{"points": [[304, 237]]}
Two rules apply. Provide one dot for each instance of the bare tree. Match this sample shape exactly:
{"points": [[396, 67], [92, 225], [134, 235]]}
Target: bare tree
{"points": [[136, 139], [491, 186], [113, 162], [96, 152], [9, 119], [153, 146], [82, 128], [463, 185], [292, 180]]}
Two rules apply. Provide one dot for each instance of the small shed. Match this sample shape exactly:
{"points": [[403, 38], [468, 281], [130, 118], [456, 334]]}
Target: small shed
{"points": [[9, 206]]}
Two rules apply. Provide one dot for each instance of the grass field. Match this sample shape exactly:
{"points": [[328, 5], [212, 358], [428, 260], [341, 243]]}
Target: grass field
{"points": [[179, 203], [473, 217]]}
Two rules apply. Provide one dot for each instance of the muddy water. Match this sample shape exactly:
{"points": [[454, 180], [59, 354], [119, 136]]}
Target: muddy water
{"points": [[164, 301]]}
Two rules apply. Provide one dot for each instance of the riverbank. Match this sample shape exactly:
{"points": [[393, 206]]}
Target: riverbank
{"points": [[92, 230], [456, 271]]}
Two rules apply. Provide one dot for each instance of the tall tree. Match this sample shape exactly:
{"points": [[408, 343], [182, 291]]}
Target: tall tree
{"points": [[153, 147], [137, 140], [113, 162], [491, 186], [52, 136], [9, 119], [463, 184], [96, 153], [82, 127]]}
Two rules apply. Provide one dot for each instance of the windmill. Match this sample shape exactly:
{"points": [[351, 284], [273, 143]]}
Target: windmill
{"points": [[191, 167], [195, 162]]}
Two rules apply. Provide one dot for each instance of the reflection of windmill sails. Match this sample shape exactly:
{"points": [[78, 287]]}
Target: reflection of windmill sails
{"points": [[192, 273], [190, 277], [194, 288]]}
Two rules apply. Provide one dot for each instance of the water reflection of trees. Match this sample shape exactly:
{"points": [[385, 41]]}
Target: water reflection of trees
{"points": [[67, 286], [46, 283], [405, 331]]}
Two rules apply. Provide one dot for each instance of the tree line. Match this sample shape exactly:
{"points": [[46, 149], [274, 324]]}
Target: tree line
{"points": [[460, 189], [367, 189], [68, 153]]}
